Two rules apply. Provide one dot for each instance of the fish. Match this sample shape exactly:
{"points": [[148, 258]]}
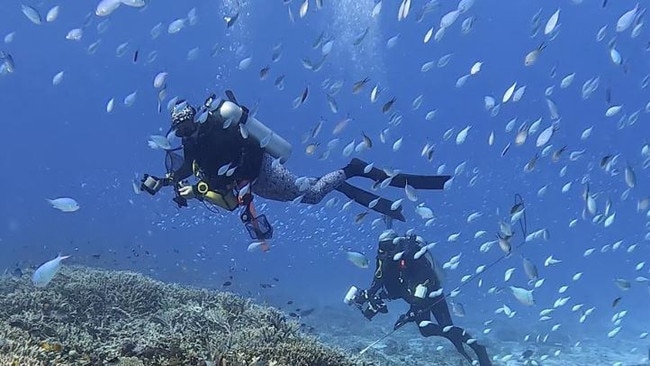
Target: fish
{"points": [[304, 95], [358, 259], [176, 26], [359, 85], [32, 14], [523, 296], [7, 64], [46, 271], [630, 177], [64, 204], [411, 194], [303, 8], [331, 102], [388, 105], [52, 14], [264, 72], [504, 243], [530, 269], [531, 57], [106, 7], [230, 20], [552, 22], [616, 301], [366, 140], [626, 20], [622, 284], [160, 79], [311, 148], [360, 216], [361, 37], [458, 309]]}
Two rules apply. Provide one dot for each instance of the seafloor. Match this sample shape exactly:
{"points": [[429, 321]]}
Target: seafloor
{"points": [[97, 317]]}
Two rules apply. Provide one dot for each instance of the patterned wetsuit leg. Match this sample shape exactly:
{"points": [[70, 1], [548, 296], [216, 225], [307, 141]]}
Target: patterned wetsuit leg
{"points": [[279, 184]]}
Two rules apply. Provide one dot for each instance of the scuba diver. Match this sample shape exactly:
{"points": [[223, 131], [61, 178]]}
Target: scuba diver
{"points": [[405, 270], [233, 156]]}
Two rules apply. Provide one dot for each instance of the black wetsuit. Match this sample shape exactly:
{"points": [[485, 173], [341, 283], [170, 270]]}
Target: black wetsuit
{"points": [[399, 279], [215, 147]]}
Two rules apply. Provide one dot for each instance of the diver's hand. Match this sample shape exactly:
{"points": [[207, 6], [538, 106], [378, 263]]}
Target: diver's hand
{"points": [[403, 319], [374, 306], [186, 192], [362, 297]]}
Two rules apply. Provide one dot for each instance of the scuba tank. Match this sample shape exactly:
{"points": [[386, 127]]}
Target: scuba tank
{"points": [[271, 142]]}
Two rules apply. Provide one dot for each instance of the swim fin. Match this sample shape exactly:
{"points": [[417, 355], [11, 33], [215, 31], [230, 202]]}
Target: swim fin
{"points": [[364, 198], [357, 168]]}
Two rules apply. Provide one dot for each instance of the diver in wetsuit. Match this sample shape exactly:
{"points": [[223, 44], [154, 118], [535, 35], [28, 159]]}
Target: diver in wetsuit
{"points": [[222, 147], [414, 277]]}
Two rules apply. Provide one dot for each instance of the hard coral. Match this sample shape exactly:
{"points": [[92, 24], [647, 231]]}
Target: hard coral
{"points": [[96, 317]]}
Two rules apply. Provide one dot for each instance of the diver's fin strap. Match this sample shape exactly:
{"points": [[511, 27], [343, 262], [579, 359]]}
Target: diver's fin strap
{"points": [[383, 206]]}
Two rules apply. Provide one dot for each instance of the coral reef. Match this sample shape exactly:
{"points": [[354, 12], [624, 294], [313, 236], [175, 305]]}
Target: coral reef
{"points": [[95, 317]]}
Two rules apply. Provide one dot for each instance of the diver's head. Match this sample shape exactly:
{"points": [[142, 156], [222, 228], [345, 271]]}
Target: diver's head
{"points": [[183, 119], [387, 241]]}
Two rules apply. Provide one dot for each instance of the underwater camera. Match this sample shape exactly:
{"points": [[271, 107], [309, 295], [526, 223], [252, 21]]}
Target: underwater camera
{"points": [[351, 295], [151, 184]]}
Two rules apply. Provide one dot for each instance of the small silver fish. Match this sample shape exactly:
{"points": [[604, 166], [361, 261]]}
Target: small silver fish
{"points": [[46, 272], [64, 204]]}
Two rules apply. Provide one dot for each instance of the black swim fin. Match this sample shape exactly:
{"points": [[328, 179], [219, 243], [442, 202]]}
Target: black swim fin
{"points": [[435, 182], [364, 198], [357, 168]]}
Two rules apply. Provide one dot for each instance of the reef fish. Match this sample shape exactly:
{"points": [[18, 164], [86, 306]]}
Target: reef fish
{"points": [[64, 204], [358, 259], [524, 296], [46, 272]]}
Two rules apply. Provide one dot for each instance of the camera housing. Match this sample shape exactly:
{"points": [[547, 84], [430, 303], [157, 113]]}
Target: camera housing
{"points": [[151, 184]]}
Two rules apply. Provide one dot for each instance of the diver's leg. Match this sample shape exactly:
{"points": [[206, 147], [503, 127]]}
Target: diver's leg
{"points": [[440, 310], [275, 182], [429, 329], [356, 168], [279, 184], [458, 336]]}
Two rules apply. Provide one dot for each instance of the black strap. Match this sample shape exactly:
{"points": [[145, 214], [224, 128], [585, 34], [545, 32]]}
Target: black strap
{"points": [[244, 115], [231, 96]]}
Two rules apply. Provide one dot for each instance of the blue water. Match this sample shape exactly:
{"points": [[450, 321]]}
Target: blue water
{"points": [[59, 141]]}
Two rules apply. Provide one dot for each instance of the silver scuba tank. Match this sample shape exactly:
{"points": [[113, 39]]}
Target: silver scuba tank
{"points": [[271, 142]]}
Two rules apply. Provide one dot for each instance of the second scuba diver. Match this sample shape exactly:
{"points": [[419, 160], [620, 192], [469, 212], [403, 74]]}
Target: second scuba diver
{"points": [[405, 270], [233, 156]]}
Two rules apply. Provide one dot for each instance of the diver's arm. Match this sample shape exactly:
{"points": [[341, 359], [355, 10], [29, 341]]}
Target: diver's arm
{"points": [[185, 170]]}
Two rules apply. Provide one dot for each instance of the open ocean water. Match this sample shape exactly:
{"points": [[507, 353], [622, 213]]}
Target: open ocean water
{"points": [[546, 101]]}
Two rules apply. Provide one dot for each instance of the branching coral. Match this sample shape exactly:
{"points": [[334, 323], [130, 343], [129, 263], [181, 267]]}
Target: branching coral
{"points": [[95, 317]]}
